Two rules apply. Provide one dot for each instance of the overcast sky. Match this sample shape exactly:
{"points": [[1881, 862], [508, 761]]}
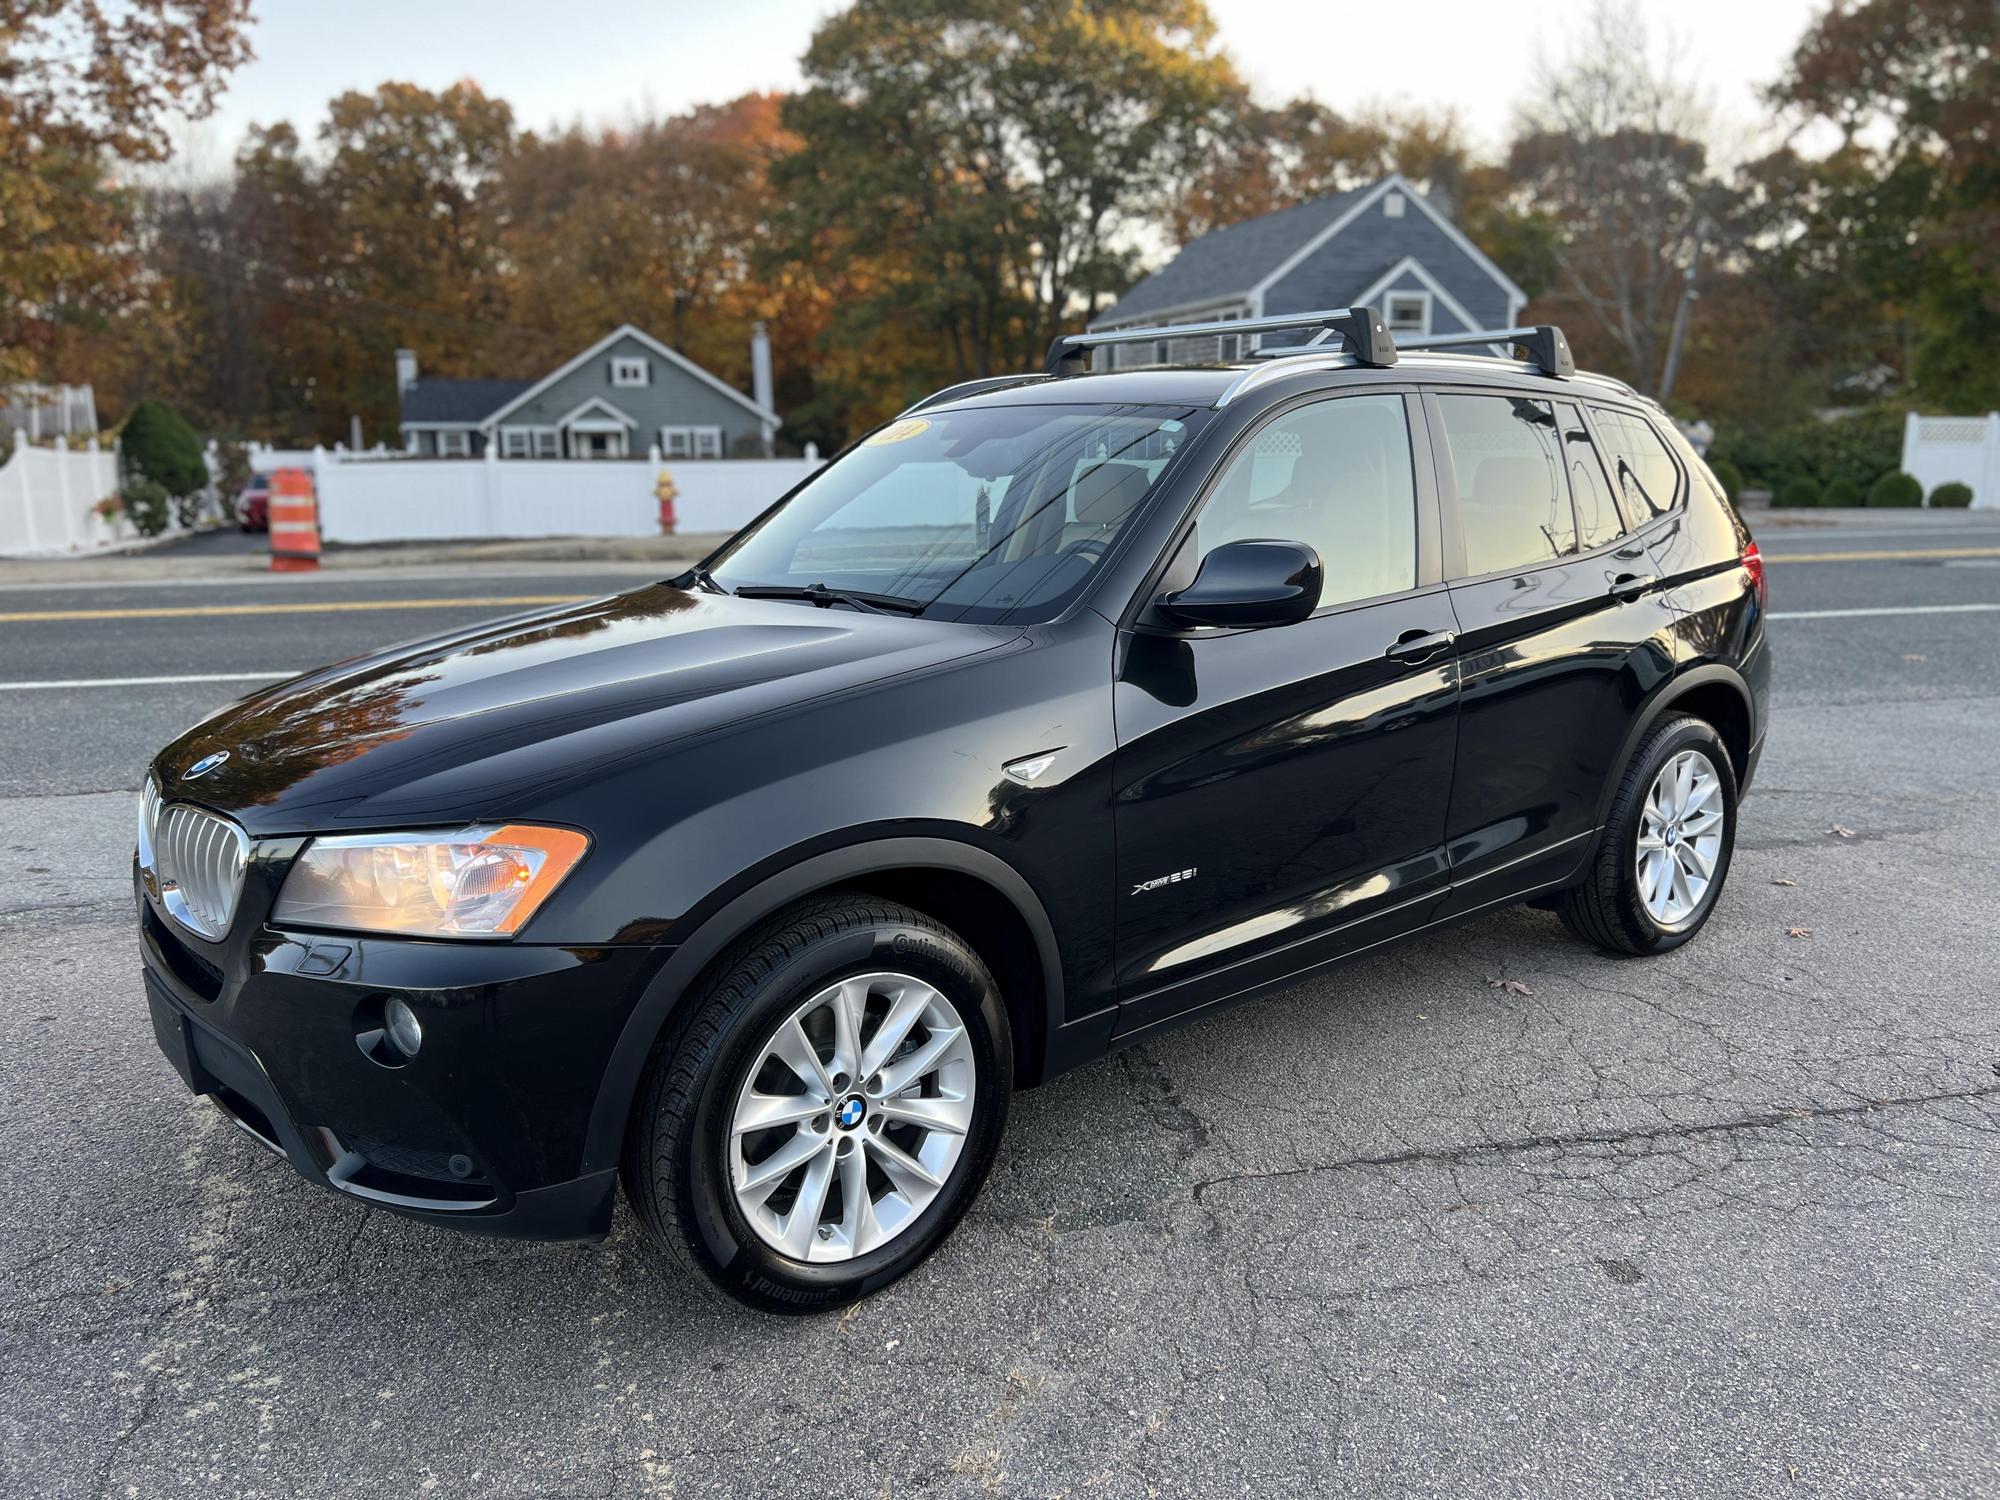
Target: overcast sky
{"points": [[603, 60]]}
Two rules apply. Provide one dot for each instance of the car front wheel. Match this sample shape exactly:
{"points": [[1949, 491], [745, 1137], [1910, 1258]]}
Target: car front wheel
{"points": [[828, 1108], [1665, 851]]}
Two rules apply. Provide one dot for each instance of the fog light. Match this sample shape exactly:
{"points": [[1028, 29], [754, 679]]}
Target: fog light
{"points": [[401, 1024]]}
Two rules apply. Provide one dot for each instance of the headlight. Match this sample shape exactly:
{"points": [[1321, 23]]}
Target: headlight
{"points": [[482, 882]]}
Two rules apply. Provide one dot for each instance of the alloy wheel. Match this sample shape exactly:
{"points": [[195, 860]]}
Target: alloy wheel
{"points": [[852, 1117], [1680, 838]]}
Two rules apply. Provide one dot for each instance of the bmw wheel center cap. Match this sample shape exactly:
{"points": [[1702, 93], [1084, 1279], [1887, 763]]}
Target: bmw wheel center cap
{"points": [[853, 1109]]}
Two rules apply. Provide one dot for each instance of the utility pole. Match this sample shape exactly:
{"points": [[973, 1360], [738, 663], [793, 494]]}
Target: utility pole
{"points": [[1672, 368]]}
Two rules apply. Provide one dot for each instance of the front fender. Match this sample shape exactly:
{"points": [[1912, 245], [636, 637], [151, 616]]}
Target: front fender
{"points": [[750, 900]]}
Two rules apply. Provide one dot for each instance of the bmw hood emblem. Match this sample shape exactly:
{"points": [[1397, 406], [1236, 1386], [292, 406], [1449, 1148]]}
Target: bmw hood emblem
{"points": [[203, 766]]}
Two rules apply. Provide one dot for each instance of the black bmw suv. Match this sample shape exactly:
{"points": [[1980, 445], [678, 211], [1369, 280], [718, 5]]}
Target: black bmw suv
{"points": [[1061, 709]]}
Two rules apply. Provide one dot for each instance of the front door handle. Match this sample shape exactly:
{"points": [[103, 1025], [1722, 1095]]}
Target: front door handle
{"points": [[1632, 585], [1420, 645]]}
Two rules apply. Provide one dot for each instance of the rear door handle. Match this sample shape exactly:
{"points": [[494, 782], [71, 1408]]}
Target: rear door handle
{"points": [[1632, 585], [1420, 645]]}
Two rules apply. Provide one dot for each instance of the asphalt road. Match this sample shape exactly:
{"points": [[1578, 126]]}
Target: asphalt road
{"points": [[1723, 1223]]}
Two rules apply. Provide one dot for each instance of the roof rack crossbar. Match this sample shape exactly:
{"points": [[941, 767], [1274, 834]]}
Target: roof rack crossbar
{"points": [[1361, 328], [1545, 345]]}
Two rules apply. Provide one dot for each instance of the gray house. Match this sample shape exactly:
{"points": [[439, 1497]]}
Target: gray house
{"points": [[1384, 245], [622, 397]]}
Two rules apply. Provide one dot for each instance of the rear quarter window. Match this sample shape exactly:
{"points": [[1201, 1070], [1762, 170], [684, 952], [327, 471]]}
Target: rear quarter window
{"points": [[1644, 473]]}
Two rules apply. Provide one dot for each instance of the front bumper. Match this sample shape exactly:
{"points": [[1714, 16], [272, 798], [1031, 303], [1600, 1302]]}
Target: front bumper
{"points": [[484, 1130]]}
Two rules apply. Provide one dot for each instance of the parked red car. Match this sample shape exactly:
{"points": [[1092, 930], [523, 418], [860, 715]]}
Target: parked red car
{"points": [[253, 506]]}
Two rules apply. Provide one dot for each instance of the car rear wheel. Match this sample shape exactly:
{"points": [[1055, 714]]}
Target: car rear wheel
{"points": [[829, 1107], [1665, 852]]}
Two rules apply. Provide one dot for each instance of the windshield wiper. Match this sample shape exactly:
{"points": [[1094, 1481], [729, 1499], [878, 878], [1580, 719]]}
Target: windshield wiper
{"points": [[822, 596], [701, 578]]}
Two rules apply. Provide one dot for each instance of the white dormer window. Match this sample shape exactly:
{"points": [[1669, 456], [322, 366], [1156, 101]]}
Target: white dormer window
{"points": [[1392, 206], [1408, 313], [630, 372]]}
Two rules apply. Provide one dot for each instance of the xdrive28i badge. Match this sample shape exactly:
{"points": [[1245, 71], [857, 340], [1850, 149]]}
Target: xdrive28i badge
{"points": [[206, 764]]}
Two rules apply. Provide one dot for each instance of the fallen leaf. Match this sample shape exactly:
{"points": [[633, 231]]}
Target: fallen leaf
{"points": [[1798, 932], [1841, 830], [1782, 881], [1511, 986], [1914, 656]]}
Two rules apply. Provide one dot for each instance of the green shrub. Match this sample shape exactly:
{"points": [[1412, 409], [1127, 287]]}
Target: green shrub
{"points": [[1728, 476], [159, 446], [232, 464], [1855, 448], [145, 504], [1844, 493], [1895, 489], [1952, 495], [1801, 493]]}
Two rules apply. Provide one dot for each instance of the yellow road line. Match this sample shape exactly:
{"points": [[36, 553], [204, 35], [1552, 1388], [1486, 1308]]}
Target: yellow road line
{"points": [[325, 607], [1904, 556]]}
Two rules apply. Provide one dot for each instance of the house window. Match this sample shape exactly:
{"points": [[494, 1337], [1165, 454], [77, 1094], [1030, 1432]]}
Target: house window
{"points": [[516, 442], [454, 444], [691, 442], [548, 443], [1228, 346], [1408, 312], [1392, 206], [630, 372]]}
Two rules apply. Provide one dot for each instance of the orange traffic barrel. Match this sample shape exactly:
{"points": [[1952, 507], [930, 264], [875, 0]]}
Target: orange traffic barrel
{"points": [[294, 521]]}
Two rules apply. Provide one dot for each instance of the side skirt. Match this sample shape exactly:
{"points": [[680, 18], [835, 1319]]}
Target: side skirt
{"points": [[1086, 1039]]}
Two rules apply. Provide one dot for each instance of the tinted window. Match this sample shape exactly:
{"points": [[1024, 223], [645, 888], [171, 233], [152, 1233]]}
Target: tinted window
{"points": [[1512, 497], [1646, 474], [1335, 475], [999, 512], [1597, 519]]}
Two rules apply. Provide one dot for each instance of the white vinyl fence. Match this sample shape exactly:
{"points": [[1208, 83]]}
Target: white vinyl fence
{"points": [[453, 499], [1939, 450], [46, 500]]}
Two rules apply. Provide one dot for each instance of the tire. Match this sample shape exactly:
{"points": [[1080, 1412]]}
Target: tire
{"points": [[1612, 907], [842, 954]]}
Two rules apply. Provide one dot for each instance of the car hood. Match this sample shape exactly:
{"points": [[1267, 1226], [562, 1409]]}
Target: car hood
{"points": [[486, 721]]}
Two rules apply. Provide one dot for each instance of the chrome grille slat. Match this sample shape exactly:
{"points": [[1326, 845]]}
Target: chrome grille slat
{"points": [[194, 861]]}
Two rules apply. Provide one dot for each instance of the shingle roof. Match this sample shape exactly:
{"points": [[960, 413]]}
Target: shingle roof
{"points": [[433, 400], [1228, 262]]}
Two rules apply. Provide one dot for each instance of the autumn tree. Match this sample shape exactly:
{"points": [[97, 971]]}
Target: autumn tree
{"points": [[1268, 158], [84, 88], [656, 223], [1904, 213], [1612, 162], [971, 184]]}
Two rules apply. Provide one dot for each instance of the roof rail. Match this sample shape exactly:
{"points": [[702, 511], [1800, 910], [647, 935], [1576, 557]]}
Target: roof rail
{"points": [[1545, 345], [969, 388], [1362, 328]]}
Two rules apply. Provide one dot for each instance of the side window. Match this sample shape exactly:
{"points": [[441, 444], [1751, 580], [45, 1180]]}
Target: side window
{"points": [[1597, 520], [1512, 498], [1335, 475], [1646, 474]]}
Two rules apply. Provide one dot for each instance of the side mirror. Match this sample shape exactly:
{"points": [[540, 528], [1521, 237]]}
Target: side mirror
{"points": [[1245, 585]]}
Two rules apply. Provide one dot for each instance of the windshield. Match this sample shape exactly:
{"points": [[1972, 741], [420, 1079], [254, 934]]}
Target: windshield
{"points": [[996, 514]]}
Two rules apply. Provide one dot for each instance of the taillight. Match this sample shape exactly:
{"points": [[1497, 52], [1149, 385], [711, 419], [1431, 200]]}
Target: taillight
{"points": [[1753, 564]]}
